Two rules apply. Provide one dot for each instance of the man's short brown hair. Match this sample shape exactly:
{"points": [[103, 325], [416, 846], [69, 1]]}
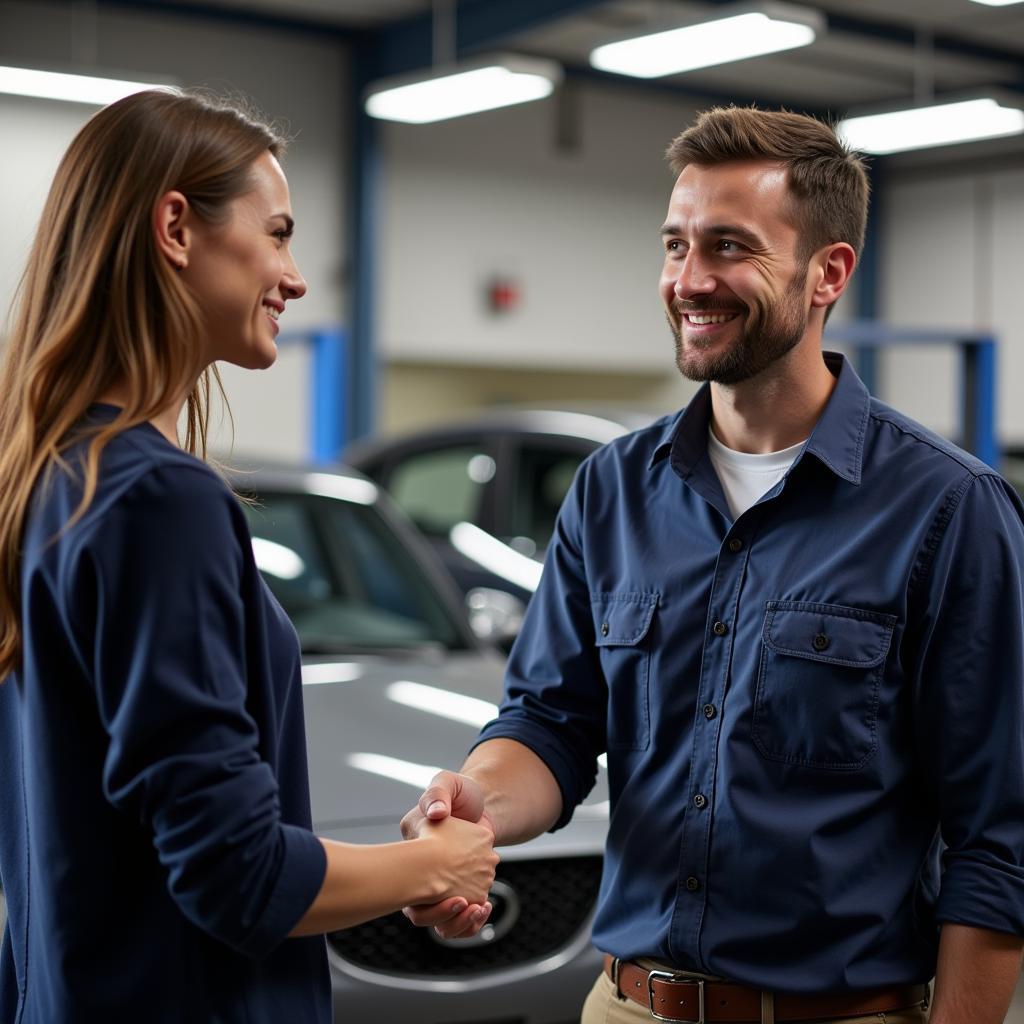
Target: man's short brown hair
{"points": [[828, 182]]}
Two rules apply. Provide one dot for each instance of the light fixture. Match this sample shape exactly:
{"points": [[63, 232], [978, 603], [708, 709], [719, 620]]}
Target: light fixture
{"points": [[998, 3], [454, 90], [744, 31], [75, 88], [940, 123]]}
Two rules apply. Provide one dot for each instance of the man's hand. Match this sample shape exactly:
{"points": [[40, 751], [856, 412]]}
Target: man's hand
{"points": [[461, 797]]}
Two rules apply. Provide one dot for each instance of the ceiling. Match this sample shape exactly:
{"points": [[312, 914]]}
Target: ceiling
{"points": [[874, 52]]}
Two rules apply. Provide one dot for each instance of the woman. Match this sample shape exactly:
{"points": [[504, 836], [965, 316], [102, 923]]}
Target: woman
{"points": [[155, 843]]}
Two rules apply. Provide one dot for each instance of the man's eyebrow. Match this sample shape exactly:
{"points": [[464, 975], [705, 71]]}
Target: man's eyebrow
{"points": [[735, 231], [718, 230]]}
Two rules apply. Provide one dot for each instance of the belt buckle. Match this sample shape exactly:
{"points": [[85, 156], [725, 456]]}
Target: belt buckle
{"points": [[670, 976]]}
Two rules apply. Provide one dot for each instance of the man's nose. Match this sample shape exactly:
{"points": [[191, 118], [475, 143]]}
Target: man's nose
{"points": [[694, 277]]}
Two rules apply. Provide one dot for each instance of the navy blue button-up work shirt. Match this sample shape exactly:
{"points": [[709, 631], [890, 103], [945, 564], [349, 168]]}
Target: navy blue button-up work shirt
{"points": [[813, 714]]}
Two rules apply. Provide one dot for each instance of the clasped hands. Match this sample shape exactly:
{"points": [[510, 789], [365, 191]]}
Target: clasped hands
{"points": [[451, 796]]}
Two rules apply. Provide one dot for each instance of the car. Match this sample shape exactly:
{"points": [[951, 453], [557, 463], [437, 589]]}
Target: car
{"points": [[396, 685], [485, 493]]}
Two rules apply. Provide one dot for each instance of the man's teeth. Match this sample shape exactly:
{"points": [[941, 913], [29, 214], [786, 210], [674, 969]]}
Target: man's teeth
{"points": [[707, 318]]}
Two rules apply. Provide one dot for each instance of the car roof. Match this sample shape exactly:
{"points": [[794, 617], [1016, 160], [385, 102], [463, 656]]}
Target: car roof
{"points": [[599, 427]]}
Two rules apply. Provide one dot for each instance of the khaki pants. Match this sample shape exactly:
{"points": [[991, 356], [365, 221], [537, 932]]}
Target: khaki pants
{"points": [[604, 1006]]}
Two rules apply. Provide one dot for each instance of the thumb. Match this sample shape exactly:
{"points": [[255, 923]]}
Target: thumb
{"points": [[436, 802]]}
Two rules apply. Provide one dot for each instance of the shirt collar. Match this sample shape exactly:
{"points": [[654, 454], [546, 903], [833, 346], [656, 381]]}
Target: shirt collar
{"points": [[837, 439]]}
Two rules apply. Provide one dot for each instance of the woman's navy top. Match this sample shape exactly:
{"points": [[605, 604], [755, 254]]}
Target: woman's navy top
{"points": [[155, 828]]}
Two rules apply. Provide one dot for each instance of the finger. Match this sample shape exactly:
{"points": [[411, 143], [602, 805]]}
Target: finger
{"points": [[436, 801], [411, 824], [427, 915], [465, 925]]}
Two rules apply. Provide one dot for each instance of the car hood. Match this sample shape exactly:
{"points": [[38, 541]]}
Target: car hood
{"points": [[378, 729]]}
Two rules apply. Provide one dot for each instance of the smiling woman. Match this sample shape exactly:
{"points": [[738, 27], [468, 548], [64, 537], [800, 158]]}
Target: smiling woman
{"points": [[151, 724]]}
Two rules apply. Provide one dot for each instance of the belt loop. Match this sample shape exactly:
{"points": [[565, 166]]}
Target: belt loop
{"points": [[615, 979], [767, 1008]]}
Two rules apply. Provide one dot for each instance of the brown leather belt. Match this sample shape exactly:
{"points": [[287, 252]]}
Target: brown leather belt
{"points": [[678, 998]]}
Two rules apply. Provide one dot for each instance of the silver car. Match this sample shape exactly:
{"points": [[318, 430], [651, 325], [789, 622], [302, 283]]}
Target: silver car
{"points": [[396, 686]]}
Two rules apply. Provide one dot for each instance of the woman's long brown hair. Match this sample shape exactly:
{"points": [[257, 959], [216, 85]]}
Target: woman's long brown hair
{"points": [[98, 306]]}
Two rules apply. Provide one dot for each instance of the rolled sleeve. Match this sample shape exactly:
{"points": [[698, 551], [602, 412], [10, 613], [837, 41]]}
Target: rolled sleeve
{"points": [[970, 696], [555, 695], [167, 644]]}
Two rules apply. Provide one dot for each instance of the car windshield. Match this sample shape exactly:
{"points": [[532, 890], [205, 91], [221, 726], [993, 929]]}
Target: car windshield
{"points": [[346, 580]]}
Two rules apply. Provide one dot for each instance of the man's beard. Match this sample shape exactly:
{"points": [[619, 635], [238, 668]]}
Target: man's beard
{"points": [[774, 330]]}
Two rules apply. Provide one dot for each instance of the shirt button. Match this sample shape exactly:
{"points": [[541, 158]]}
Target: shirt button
{"points": [[692, 884], [720, 628], [700, 801], [735, 545], [604, 629], [820, 642], [710, 711]]}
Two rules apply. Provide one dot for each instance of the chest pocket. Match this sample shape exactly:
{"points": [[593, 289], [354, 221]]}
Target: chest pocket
{"points": [[818, 682], [622, 634]]}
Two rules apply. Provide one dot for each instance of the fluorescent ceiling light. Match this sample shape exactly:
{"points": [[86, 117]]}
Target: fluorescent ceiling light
{"points": [[456, 90], [747, 33], [998, 3], [941, 124], [55, 85]]}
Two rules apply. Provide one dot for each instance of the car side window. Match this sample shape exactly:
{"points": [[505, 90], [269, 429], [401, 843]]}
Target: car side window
{"points": [[439, 488], [543, 477]]}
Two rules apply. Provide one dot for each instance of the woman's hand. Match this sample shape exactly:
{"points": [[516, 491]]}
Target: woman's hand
{"points": [[463, 858]]}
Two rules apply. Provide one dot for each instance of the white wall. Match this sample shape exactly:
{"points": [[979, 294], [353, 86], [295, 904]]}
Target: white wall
{"points": [[577, 229], [950, 259], [300, 78]]}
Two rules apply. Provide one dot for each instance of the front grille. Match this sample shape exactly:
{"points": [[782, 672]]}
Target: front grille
{"points": [[556, 897]]}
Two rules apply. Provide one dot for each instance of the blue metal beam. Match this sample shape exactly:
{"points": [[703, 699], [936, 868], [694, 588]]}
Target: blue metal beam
{"points": [[867, 280], [234, 16], [408, 44]]}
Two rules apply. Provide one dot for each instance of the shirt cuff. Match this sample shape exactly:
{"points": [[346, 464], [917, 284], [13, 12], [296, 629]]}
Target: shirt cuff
{"points": [[549, 751], [302, 872], [982, 893]]}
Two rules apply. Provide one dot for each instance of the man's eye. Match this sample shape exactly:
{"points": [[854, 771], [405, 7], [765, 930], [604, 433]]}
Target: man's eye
{"points": [[728, 245]]}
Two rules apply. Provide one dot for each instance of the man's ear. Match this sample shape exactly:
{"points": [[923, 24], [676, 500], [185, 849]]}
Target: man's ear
{"points": [[834, 267], [172, 228]]}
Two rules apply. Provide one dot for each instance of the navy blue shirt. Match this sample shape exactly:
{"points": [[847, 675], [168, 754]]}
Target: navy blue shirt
{"points": [[155, 843], [813, 714]]}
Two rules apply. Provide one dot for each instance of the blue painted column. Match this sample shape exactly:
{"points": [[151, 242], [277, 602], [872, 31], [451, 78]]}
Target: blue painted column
{"points": [[978, 399], [329, 378], [867, 282], [364, 221]]}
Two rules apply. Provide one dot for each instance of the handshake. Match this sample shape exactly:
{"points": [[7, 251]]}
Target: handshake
{"points": [[451, 814]]}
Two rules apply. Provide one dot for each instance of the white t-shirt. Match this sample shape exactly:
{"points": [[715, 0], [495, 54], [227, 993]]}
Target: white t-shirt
{"points": [[745, 477]]}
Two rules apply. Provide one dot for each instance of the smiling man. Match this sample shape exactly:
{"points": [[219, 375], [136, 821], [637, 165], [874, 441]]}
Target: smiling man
{"points": [[794, 619]]}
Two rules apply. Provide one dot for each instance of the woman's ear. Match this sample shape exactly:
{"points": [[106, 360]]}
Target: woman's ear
{"points": [[835, 270], [172, 228]]}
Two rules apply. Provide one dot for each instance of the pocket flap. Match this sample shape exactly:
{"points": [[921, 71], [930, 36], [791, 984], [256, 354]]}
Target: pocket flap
{"points": [[828, 632], [622, 619]]}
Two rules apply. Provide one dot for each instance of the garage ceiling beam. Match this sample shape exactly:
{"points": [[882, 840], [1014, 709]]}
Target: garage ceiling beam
{"points": [[907, 35], [407, 45]]}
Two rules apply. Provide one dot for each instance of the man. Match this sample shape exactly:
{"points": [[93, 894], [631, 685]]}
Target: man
{"points": [[793, 618]]}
